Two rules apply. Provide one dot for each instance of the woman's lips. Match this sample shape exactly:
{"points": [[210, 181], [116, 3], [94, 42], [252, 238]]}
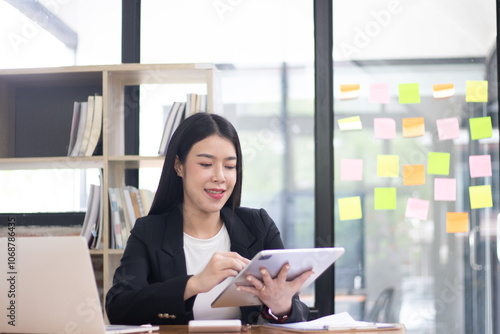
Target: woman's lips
{"points": [[215, 193]]}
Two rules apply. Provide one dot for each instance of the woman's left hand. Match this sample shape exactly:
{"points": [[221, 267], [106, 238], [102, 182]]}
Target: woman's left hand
{"points": [[276, 293]]}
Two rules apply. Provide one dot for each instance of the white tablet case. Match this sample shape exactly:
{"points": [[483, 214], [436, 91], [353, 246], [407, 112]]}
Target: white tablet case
{"points": [[300, 260]]}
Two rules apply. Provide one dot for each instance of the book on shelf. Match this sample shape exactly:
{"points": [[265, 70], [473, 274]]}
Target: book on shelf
{"points": [[147, 197], [74, 126], [201, 103], [86, 127], [174, 117], [178, 111], [96, 128], [190, 104], [115, 220], [92, 223], [127, 205], [80, 128]]}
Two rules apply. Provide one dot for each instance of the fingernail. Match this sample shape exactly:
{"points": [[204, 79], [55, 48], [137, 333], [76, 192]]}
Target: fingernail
{"points": [[287, 266], [249, 278], [238, 288], [262, 271]]}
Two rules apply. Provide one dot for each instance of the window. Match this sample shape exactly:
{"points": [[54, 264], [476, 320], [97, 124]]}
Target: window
{"points": [[403, 265], [267, 88], [45, 34]]}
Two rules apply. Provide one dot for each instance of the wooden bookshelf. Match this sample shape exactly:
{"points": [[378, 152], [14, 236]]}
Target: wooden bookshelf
{"points": [[46, 94]]}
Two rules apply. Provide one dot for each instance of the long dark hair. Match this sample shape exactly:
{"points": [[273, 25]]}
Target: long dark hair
{"points": [[193, 129]]}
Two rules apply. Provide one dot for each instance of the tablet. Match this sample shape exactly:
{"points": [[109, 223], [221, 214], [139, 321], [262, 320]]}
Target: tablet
{"points": [[300, 260]]}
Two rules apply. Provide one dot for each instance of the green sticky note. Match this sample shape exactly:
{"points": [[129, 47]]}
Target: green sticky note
{"points": [[480, 127], [385, 198], [388, 165], [350, 208], [409, 93], [438, 163], [476, 91], [480, 197]]}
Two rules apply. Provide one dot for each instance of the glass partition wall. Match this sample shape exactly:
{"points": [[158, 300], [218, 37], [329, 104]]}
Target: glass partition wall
{"points": [[416, 164]]}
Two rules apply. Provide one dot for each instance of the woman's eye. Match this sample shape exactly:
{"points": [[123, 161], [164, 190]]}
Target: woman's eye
{"points": [[231, 167], [205, 165]]}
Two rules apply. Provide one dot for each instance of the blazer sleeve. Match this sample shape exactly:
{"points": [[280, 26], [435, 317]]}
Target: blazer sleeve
{"points": [[272, 237], [134, 300]]}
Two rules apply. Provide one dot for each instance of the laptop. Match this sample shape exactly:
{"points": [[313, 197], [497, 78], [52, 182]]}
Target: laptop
{"points": [[299, 259], [51, 288]]}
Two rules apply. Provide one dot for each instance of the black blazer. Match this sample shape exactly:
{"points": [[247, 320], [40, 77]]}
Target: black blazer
{"points": [[149, 284]]}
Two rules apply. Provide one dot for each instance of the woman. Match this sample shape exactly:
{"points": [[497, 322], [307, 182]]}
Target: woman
{"points": [[196, 237]]}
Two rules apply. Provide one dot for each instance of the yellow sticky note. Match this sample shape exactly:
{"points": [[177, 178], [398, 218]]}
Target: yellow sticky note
{"points": [[350, 123], [480, 127], [476, 91], [388, 165], [480, 197], [413, 127], [440, 91], [413, 175], [409, 93], [350, 208], [438, 163], [349, 91], [457, 222], [385, 198]]}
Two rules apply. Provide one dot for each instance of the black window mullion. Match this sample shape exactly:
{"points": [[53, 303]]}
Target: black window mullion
{"points": [[323, 135], [131, 51]]}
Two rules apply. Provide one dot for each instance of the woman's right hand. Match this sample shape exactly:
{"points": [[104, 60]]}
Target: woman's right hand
{"points": [[220, 266]]}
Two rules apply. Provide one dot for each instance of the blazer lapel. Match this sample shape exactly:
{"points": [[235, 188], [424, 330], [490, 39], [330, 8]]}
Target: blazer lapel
{"points": [[241, 238], [171, 259]]}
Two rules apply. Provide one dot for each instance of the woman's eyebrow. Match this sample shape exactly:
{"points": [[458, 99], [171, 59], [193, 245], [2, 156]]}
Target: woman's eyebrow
{"points": [[210, 156]]}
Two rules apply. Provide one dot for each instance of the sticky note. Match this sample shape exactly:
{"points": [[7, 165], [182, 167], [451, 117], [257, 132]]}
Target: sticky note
{"points": [[388, 165], [384, 128], [438, 163], [350, 123], [413, 127], [480, 165], [413, 175], [457, 222], [480, 127], [445, 189], [385, 198], [440, 91], [379, 93], [409, 93], [480, 197], [476, 91], [351, 169], [350, 208], [348, 92], [417, 208], [448, 128]]}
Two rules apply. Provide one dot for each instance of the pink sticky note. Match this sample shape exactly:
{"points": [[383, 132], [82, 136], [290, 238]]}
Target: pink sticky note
{"points": [[417, 208], [480, 165], [385, 128], [448, 128], [351, 169], [379, 93], [445, 189]]}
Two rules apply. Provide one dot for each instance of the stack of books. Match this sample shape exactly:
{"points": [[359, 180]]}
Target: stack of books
{"points": [[126, 205], [180, 110], [86, 127]]}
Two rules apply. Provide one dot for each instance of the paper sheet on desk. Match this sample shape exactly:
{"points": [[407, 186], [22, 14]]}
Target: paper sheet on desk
{"points": [[331, 322]]}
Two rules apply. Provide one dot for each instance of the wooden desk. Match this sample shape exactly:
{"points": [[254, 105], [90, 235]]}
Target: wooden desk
{"points": [[182, 329]]}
